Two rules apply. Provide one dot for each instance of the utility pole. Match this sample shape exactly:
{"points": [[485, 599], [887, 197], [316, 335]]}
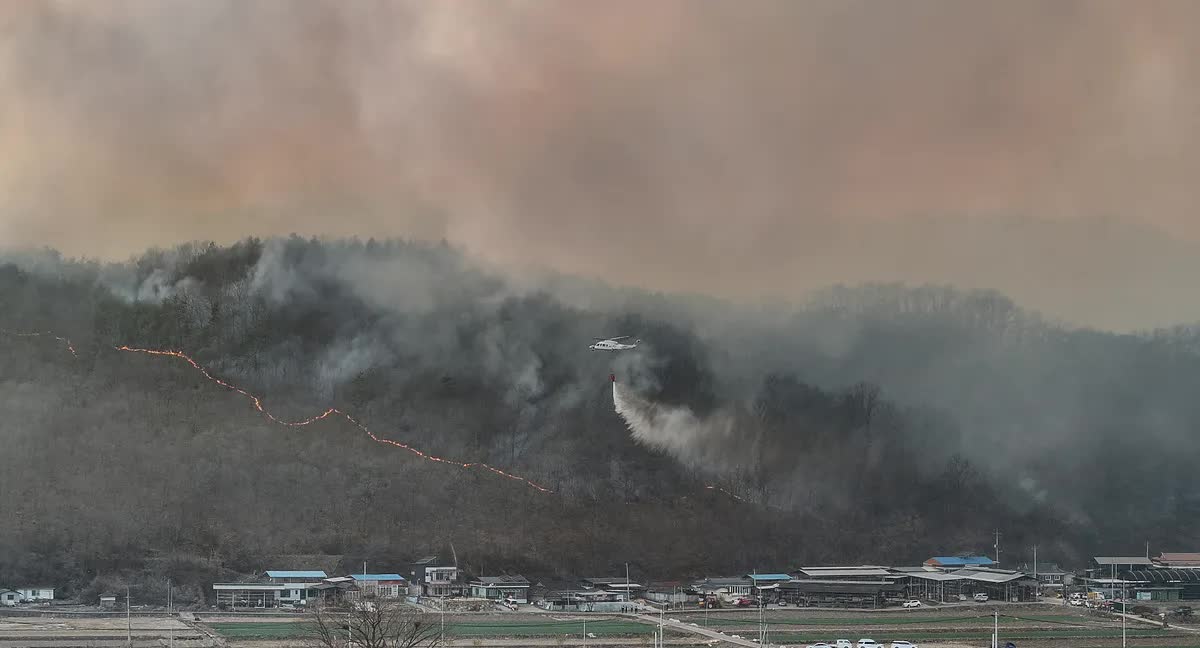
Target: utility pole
{"points": [[995, 629], [1037, 585], [996, 546], [661, 633], [1124, 611], [128, 623], [170, 611], [628, 594], [762, 623]]}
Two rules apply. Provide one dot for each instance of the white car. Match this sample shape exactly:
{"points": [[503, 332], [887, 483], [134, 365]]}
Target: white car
{"points": [[866, 643], [903, 644], [912, 604], [843, 643], [980, 597], [820, 645]]}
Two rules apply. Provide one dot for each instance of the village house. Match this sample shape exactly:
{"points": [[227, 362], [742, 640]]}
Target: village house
{"points": [[724, 588], [382, 586], [11, 597], [621, 588], [281, 588], [1049, 575], [672, 593], [433, 577], [336, 590], [499, 588], [300, 585]]}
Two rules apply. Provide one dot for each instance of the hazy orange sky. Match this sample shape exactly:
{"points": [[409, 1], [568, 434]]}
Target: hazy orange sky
{"points": [[748, 148]]}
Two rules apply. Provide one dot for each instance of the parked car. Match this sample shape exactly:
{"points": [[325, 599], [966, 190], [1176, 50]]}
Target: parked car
{"points": [[903, 644], [912, 604], [866, 643], [981, 597], [843, 643], [820, 645]]}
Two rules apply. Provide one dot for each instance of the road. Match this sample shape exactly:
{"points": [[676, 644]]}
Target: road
{"points": [[697, 630]]}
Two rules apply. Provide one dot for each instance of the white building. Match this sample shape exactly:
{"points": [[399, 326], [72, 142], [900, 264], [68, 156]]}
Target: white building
{"points": [[441, 581], [36, 594], [501, 588], [11, 597], [299, 585]]}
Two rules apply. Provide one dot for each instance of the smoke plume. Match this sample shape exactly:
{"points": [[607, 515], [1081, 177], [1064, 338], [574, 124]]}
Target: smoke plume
{"points": [[1046, 150], [699, 443]]}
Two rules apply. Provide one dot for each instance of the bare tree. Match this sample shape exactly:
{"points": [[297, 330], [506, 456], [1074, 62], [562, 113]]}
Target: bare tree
{"points": [[374, 625]]}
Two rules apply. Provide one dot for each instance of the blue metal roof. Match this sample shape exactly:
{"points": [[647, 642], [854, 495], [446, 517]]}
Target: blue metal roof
{"points": [[954, 561], [296, 574], [377, 577], [770, 577]]}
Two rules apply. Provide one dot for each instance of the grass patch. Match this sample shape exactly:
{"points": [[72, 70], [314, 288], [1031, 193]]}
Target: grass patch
{"points": [[609, 627], [260, 630], [785, 637], [888, 620]]}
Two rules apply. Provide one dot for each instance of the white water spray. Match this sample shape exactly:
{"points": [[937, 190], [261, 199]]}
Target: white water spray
{"points": [[694, 441]]}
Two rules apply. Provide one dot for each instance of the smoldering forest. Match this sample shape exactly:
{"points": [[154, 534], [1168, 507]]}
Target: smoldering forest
{"points": [[880, 423]]}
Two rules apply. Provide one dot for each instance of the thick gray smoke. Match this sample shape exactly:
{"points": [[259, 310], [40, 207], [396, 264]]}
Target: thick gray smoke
{"points": [[1043, 149]]}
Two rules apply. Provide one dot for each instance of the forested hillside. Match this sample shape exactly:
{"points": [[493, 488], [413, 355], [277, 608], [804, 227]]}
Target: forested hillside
{"points": [[877, 423]]}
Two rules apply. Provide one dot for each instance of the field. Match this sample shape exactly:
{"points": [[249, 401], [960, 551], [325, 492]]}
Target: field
{"points": [[26, 631], [537, 625], [1025, 626]]}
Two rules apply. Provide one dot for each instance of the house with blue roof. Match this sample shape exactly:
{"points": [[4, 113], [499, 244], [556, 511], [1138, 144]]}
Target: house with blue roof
{"points": [[763, 581], [767, 579], [284, 576], [282, 588], [959, 562]]}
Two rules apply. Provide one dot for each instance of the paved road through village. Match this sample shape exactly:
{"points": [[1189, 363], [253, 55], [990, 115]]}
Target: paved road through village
{"points": [[698, 630]]}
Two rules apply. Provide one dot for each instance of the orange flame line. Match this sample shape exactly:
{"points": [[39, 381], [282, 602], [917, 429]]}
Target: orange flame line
{"points": [[70, 347], [257, 402]]}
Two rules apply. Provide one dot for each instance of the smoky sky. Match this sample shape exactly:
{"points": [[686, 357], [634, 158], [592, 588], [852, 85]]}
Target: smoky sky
{"points": [[744, 149]]}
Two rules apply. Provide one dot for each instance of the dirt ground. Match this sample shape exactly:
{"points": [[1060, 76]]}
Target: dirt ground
{"points": [[64, 632]]}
